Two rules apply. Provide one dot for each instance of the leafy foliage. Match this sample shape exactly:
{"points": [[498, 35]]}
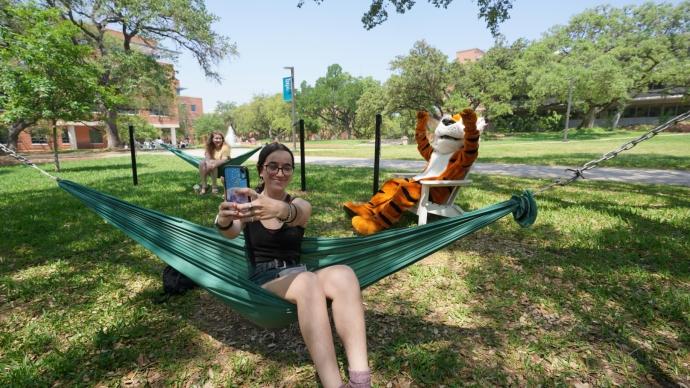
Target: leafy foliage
{"points": [[494, 12], [142, 129], [133, 75], [207, 123], [608, 55], [267, 117], [421, 80], [43, 75], [333, 99]]}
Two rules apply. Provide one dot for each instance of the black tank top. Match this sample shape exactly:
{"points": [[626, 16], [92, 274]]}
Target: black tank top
{"points": [[268, 244]]}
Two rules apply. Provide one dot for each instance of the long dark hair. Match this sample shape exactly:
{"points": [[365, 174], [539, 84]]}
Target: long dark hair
{"points": [[210, 146], [267, 150]]}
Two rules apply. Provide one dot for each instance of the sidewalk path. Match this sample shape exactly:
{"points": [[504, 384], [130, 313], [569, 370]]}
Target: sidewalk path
{"points": [[645, 176]]}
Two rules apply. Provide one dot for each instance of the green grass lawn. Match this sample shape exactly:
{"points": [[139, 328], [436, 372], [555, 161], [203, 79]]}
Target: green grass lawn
{"points": [[665, 151], [597, 291]]}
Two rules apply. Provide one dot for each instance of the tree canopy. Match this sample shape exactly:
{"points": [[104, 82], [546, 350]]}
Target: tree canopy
{"points": [[494, 12], [333, 99], [608, 55], [134, 76], [603, 57], [43, 75]]}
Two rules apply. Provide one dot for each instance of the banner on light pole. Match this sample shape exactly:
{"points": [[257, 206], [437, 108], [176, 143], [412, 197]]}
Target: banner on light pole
{"points": [[287, 89]]}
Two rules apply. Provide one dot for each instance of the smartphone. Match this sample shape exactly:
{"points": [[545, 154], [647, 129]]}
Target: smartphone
{"points": [[236, 177]]}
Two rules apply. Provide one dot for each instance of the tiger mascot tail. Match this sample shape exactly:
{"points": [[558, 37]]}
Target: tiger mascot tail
{"points": [[449, 157]]}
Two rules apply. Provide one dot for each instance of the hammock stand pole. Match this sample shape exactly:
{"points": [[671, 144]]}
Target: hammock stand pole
{"points": [[134, 155]]}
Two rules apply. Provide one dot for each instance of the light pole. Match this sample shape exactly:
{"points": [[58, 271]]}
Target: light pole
{"points": [[292, 92]]}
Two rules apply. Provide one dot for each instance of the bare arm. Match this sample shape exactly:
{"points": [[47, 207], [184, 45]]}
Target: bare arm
{"points": [[295, 213]]}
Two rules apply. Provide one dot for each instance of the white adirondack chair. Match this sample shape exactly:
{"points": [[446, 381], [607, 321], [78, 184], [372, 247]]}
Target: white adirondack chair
{"points": [[425, 207]]}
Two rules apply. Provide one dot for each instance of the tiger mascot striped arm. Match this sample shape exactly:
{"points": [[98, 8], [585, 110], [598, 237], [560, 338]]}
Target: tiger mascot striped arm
{"points": [[423, 144], [396, 195]]}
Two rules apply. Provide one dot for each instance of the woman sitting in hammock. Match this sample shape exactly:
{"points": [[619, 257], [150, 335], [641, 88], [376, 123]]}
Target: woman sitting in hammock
{"points": [[273, 224], [216, 153]]}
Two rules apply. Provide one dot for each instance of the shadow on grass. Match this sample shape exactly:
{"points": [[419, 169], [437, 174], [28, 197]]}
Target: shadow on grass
{"points": [[619, 286], [561, 298], [540, 288], [573, 134], [61, 227], [116, 340], [399, 344], [122, 166]]}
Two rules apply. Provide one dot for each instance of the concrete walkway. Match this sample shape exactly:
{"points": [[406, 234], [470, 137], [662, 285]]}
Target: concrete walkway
{"points": [[644, 176]]}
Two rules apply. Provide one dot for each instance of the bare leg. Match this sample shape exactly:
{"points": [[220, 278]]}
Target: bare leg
{"points": [[340, 284], [214, 177], [304, 290], [202, 175]]}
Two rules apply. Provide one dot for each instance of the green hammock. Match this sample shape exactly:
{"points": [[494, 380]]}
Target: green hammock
{"points": [[219, 265], [195, 160]]}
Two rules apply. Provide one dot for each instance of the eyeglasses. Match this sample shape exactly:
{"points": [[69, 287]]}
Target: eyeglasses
{"points": [[273, 169]]}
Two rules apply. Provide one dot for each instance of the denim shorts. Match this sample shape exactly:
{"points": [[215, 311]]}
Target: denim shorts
{"points": [[265, 272]]}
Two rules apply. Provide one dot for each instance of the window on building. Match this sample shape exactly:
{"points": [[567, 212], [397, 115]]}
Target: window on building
{"points": [[158, 111], [65, 136], [4, 136], [654, 111], [629, 112], [193, 108], [38, 136], [95, 136], [128, 110]]}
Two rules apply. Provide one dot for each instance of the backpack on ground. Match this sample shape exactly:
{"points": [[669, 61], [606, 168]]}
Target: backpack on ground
{"points": [[175, 283]]}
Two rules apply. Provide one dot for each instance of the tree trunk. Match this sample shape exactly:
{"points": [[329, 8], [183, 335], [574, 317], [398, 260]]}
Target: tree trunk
{"points": [[590, 116], [111, 129], [13, 133], [617, 116], [55, 146]]}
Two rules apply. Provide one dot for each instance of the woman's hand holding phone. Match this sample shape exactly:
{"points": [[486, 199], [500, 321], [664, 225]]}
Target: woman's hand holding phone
{"points": [[238, 204], [259, 206]]}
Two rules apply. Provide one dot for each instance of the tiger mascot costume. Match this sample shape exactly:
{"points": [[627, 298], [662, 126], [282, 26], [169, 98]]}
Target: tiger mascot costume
{"points": [[449, 156]]}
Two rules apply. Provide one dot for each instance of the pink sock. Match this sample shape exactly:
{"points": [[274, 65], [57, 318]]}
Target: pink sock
{"points": [[359, 379]]}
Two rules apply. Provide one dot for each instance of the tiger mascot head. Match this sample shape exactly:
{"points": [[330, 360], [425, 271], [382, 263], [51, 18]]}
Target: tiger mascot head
{"points": [[450, 133]]}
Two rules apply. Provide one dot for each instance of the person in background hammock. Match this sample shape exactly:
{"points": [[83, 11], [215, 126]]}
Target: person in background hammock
{"points": [[217, 152], [273, 223]]}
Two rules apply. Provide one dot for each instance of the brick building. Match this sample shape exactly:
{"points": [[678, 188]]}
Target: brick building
{"points": [[90, 134], [470, 55]]}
